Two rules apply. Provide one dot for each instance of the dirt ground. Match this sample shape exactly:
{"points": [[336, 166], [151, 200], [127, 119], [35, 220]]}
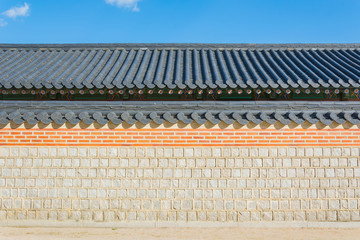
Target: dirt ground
{"points": [[179, 233]]}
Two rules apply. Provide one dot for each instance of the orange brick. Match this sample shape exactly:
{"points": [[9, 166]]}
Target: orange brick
{"points": [[353, 137], [27, 133], [107, 133], [287, 133], [216, 133], [264, 133], [126, 137], [132, 133], [299, 133], [192, 134], [95, 133], [138, 137], [8, 137], [78, 137], [168, 133], [259, 137], [317, 137], [181, 133], [252, 133], [181, 137], [214, 138], [120, 133], [341, 137], [239, 141], [186, 137], [156, 133], [51, 133], [228, 133], [247, 137], [199, 137], [240, 133], [162, 137]]}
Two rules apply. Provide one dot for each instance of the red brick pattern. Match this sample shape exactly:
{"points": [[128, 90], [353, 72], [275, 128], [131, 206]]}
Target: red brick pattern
{"points": [[180, 137]]}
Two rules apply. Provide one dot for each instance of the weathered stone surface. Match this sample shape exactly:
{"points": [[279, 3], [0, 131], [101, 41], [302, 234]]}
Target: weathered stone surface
{"points": [[180, 184]]}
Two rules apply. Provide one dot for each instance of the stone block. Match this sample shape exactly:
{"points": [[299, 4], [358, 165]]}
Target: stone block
{"points": [[344, 216], [75, 215], [336, 152], [98, 216], [244, 216], [14, 152], [87, 215], [5, 152], [103, 152], [63, 215], [189, 152], [178, 152], [263, 152], [244, 152], [109, 216]]}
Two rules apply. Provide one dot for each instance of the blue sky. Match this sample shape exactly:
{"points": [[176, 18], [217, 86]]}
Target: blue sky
{"points": [[180, 21]]}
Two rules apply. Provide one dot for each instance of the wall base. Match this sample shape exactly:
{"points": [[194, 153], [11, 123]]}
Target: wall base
{"points": [[89, 224]]}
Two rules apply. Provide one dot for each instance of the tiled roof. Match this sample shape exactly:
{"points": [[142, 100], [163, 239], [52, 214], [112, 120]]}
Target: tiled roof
{"points": [[174, 112], [179, 66]]}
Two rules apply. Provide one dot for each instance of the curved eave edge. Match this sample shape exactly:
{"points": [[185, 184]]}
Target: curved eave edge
{"points": [[131, 113]]}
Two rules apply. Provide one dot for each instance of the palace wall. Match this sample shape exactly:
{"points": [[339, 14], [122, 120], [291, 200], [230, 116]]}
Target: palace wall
{"points": [[179, 174]]}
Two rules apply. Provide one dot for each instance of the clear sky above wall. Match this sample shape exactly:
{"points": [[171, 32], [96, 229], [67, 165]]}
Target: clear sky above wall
{"points": [[179, 21]]}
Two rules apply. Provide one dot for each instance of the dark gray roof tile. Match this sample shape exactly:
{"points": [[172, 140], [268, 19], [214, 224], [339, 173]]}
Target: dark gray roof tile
{"points": [[268, 117], [296, 117], [127, 117], [181, 66], [187, 112], [156, 118], [114, 118], [212, 118], [44, 117]]}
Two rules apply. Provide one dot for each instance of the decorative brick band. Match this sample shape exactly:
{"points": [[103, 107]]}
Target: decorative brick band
{"points": [[180, 137]]}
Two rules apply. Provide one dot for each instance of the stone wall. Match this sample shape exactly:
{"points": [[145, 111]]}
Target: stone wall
{"points": [[179, 184]]}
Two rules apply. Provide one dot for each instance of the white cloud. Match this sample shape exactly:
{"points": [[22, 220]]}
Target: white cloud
{"points": [[125, 3], [14, 12], [3, 23]]}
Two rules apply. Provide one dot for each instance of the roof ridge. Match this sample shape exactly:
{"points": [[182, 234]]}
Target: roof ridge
{"points": [[186, 45]]}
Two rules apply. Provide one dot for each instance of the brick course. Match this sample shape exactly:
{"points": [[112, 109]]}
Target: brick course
{"points": [[180, 137]]}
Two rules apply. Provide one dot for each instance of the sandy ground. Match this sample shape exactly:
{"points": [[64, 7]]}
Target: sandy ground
{"points": [[179, 233]]}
